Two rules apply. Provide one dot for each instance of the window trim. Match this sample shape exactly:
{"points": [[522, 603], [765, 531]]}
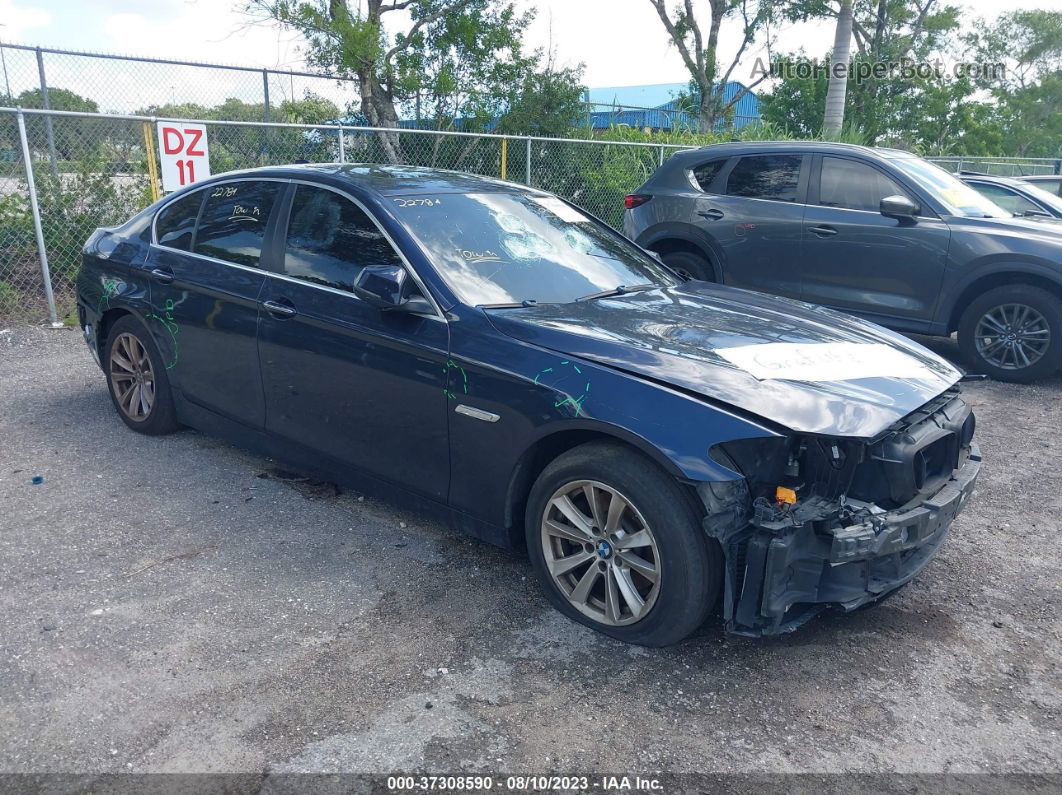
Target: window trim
{"points": [[803, 176], [271, 244]]}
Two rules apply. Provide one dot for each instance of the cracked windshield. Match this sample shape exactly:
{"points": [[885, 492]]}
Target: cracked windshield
{"points": [[500, 248]]}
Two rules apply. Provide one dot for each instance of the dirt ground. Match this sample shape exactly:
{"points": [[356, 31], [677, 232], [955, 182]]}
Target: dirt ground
{"points": [[165, 607]]}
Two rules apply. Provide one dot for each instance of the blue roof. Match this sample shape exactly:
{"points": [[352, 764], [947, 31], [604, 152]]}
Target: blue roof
{"points": [[651, 96], [657, 106]]}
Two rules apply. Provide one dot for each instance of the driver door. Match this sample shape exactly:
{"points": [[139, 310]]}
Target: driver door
{"points": [[855, 259], [342, 378]]}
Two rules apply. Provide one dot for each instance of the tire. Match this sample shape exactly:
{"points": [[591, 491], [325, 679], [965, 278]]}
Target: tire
{"points": [[1033, 309], [689, 265], [153, 413], [687, 564]]}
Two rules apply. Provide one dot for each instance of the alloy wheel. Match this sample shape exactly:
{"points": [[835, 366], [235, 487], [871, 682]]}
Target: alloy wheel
{"points": [[601, 553], [132, 377], [1012, 336]]}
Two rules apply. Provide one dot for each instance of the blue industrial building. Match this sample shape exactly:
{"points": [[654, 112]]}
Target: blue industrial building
{"points": [[658, 107]]}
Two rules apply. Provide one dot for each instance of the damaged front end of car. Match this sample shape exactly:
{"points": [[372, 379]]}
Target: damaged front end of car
{"points": [[819, 522]]}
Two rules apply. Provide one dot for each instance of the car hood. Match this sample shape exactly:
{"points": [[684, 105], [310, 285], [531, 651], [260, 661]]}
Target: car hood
{"points": [[809, 369]]}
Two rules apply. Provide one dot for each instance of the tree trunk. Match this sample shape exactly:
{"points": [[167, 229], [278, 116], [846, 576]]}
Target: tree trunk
{"points": [[833, 121], [379, 109]]}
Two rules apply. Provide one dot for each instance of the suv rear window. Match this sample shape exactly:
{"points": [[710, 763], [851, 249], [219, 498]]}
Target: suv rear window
{"points": [[773, 177], [706, 173]]}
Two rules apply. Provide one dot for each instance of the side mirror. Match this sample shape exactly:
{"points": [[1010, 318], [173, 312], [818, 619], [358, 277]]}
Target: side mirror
{"points": [[899, 207], [389, 288]]}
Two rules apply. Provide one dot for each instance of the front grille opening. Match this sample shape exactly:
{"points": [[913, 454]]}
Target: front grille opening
{"points": [[934, 463]]}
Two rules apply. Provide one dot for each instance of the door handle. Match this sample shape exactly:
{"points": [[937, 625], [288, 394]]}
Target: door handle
{"points": [[823, 231], [712, 214], [279, 310], [163, 275]]}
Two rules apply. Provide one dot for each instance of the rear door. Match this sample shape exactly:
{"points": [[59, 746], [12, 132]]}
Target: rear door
{"points": [[341, 377], [856, 259], [204, 294], [755, 218]]}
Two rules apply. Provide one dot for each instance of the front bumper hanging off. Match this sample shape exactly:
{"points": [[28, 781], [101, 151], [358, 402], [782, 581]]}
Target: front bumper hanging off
{"points": [[780, 573]]}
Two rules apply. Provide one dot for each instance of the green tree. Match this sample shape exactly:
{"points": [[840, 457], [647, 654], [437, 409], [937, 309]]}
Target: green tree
{"points": [[453, 59], [547, 102], [700, 50]]}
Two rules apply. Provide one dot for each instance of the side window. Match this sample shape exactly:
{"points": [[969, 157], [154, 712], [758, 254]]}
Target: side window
{"points": [[233, 222], [850, 185], [707, 172], [766, 177], [175, 224], [1009, 200], [330, 239]]}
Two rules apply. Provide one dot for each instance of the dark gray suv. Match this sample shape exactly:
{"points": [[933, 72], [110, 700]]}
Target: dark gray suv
{"points": [[878, 233]]}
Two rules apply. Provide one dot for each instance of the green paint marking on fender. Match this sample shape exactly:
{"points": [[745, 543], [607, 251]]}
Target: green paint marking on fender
{"points": [[110, 288], [575, 401], [171, 326], [452, 365]]}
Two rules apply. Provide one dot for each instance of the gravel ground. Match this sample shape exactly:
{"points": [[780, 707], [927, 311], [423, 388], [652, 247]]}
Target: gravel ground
{"points": [[165, 608]]}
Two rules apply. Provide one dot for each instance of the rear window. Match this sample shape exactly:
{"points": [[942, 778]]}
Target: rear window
{"points": [[774, 177], [233, 222], [706, 173], [176, 222]]}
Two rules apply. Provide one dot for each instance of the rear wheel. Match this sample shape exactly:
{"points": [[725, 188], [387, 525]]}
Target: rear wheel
{"points": [[137, 380], [689, 265], [617, 545], [1013, 333]]}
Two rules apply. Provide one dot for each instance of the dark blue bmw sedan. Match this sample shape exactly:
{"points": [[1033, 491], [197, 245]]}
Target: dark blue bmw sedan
{"points": [[494, 356]]}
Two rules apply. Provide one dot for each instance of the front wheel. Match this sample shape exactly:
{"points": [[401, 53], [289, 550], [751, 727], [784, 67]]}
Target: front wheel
{"points": [[617, 545], [1013, 333]]}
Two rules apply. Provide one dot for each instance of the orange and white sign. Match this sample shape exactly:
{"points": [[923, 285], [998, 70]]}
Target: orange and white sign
{"points": [[184, 154]]}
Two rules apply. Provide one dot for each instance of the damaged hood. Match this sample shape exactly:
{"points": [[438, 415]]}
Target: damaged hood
{"points": [[807, 368]]}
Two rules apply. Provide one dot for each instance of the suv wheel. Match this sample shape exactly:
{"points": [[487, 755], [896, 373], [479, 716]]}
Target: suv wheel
{"points": [[689, 266], [617, 545], [1013, 333], [137, 380]]}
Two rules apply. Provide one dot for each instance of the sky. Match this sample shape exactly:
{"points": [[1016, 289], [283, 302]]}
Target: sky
{"points": [[620, 42]]}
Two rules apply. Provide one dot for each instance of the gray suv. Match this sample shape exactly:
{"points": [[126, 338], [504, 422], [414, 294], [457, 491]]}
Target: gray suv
{"points": [[878, 233]]}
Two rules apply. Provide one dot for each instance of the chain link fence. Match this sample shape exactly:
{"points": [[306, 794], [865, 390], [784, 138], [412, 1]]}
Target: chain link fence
{"points": [[91, 170]]}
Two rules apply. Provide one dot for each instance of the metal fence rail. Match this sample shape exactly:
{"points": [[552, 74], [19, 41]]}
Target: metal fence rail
{"points": [[71, 172], [63, 174]]}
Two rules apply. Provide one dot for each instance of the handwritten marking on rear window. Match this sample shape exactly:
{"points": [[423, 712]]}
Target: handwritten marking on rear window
{"points": [[224, 191], [479, 256], [241, 213], [418, 202]]}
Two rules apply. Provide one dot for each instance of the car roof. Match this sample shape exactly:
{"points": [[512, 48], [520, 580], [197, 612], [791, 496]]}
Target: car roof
{"points": [[1041, 178], [734, 148], [387, 180], [993, 178]]}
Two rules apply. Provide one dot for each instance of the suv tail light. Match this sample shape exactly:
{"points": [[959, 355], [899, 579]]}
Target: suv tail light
{"points": [[636, 200]]}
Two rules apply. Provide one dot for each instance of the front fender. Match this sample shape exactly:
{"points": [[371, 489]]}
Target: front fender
{"points": [[538, 395]]}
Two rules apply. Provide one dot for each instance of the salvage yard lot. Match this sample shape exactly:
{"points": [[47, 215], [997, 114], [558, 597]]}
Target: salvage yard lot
{"points": [[170, 604]]}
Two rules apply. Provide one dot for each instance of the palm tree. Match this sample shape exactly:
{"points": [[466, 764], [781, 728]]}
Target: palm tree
{"points": [[833, 120]]}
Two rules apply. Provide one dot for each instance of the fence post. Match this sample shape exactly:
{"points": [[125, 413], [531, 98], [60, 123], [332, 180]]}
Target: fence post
{"points": [[529, 162], [265, 113], [661, 155], [342, 146], [153, 172], [504, 158], [35, 209], [47, 119]]}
